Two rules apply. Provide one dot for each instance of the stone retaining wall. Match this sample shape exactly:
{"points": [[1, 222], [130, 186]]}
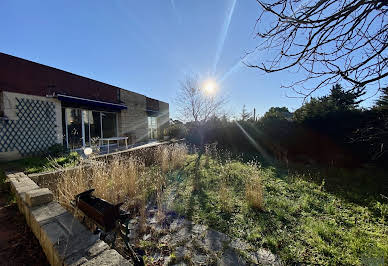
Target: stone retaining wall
{"points": [[48, 179], [64, 240]]}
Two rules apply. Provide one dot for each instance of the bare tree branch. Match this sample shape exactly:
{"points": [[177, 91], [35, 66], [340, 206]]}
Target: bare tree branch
{"points": [[328, 40], [194, 105]]}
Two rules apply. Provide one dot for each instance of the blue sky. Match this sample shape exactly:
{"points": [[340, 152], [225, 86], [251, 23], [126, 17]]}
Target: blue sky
{"points": [[147, 46]]}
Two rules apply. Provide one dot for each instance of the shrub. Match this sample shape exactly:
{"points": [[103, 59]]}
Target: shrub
{"points": [[176, 131], [56, 150]]}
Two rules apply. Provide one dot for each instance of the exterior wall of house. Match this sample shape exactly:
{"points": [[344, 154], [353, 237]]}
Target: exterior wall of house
{"points": [[133, 121], [164, 116], [23, 76], [30, 124]]}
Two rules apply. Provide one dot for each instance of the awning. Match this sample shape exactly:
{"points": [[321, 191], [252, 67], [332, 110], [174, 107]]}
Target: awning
{"points": [[84, 101]]}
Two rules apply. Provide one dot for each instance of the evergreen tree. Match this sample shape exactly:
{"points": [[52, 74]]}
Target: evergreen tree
{"points": [[277, 113], [337, 102], [245, 115], [382, 102]]}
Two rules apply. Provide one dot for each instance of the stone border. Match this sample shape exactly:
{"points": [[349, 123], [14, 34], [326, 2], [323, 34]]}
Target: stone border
{"points": [[64, 240], [46, 178]]}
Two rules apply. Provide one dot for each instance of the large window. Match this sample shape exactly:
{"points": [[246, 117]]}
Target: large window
{"points": [[108, 125], [152, 127], [74, 128], [95, 126], [85, 127]]}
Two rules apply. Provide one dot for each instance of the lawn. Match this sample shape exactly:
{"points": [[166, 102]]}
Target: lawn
{"points": [[297, 219]]}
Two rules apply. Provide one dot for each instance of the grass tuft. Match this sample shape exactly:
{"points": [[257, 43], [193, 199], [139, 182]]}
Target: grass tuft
{"points": [[254, 193]]}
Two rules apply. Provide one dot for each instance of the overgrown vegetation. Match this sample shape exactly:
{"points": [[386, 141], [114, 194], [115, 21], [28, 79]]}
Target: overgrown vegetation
{"points": [[44, 163], [296, 219], [329, 135], [133, 180]]}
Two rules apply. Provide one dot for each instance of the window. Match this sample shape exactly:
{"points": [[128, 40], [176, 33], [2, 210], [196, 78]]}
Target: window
{"points": [[74, 128], [108, 125], [95, 126], [152, 127], [84, 127]]}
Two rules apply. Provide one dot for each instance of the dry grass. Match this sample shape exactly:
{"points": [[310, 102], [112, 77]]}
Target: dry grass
{"points": [[123, 179], [170, 157], [254, 193], [226, 198]]}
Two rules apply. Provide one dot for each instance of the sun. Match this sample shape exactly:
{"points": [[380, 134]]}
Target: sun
{"points": [[209, 87]]}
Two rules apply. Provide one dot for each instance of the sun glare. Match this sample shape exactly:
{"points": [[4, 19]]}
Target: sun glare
{"points": [[209, 86]]}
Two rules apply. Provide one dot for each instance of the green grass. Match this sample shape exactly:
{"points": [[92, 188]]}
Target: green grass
{"points": [[301, 222], [36, 165], [39, 164]]}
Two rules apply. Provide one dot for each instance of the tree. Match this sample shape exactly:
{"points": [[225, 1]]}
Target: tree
{"points": [[374, 130], [194, 105], [337, 103], [342, 99], [277, 113], [329, 40], [382, 102], [245, 115]]}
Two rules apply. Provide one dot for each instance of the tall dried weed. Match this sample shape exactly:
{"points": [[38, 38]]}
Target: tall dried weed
{"points": [[254, 193], [123, 179]]}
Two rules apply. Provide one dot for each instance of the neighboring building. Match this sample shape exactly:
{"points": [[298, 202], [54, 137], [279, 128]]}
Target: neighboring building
{"points": [[41, 106]]}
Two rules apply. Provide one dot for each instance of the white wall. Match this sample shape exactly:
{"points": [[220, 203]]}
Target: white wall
{"points": [[25, 121]]}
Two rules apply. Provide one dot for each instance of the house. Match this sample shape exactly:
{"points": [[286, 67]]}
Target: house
{"points": [[41, 106]]}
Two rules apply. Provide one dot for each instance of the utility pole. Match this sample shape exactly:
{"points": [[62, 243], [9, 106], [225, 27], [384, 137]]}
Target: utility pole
{"points": [[254, 114]]}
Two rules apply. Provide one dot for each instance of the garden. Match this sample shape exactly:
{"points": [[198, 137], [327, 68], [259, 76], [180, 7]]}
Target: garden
{"points": [[208, 207]]}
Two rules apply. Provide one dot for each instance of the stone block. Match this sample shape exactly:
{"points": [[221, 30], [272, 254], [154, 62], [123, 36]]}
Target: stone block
{"points": [[68, 237], [83, 255], [38, 197], [22, 184], [44, 214], [20, 199], [64, 240], [108, 257], [14, 174], [96, 249], [23, 208]]}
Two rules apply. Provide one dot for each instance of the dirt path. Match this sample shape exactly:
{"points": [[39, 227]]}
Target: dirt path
{"points": [[18, 245]]}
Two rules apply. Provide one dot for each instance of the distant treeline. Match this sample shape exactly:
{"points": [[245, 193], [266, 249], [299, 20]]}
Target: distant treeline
{"points": [[328, 131]]}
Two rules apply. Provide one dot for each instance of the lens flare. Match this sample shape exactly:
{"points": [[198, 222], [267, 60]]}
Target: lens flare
{"points": [[209, 87]]}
